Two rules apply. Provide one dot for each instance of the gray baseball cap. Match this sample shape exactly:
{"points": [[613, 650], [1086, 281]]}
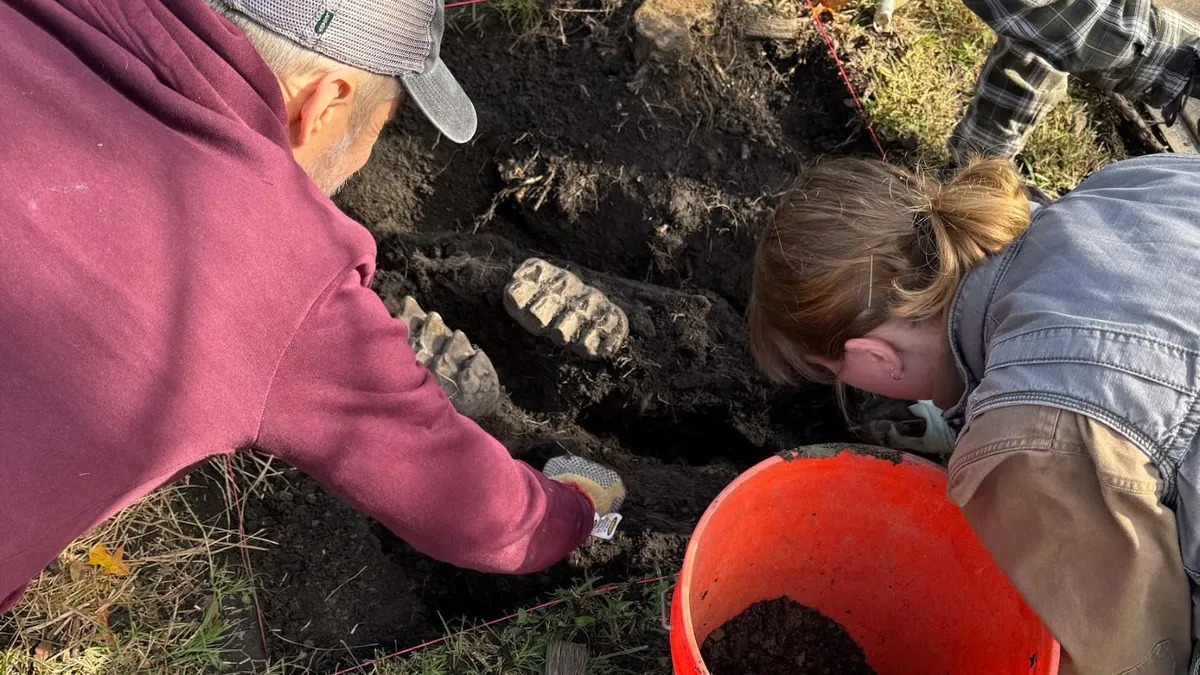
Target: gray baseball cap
{"points": [[401, 38]]}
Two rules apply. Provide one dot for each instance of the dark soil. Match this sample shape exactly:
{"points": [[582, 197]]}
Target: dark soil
{"points": [[648, 179], [782, 637]]}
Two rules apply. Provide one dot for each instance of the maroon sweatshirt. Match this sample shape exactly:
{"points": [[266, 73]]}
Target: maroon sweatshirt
{"points": [[173, 287]]}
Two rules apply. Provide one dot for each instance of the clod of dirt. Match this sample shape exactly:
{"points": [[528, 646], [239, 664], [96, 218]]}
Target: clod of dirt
{"points": [[550, 301], [463, 371], [782, 637], [664, 27]]}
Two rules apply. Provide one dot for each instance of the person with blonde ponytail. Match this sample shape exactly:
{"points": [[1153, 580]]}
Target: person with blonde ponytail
{"points": [[1064, 341]]}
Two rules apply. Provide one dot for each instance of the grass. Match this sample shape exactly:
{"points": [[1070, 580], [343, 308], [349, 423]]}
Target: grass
{"points": [[176, 611], [622, 628], [528, 19], [921, 80], [523, 16]]}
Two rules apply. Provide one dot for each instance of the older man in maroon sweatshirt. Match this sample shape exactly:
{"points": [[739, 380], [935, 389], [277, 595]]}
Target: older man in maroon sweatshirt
{"points": [[175, 283]]}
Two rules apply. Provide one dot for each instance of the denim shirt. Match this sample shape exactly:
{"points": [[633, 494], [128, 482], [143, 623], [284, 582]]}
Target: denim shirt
{"points": [[1096, 310]]}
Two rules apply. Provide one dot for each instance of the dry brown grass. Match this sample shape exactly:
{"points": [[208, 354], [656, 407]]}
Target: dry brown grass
{"points": [[176, 612]]}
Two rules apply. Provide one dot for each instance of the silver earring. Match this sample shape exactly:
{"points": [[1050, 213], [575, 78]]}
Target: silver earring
{"points": [[895, 377]]}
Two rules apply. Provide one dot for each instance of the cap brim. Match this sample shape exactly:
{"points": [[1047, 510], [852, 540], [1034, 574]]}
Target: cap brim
{"points": [[443, 101]]}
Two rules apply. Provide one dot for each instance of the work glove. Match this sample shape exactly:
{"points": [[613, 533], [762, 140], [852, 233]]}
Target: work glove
{"points": [[599, 484], [899, 425]]}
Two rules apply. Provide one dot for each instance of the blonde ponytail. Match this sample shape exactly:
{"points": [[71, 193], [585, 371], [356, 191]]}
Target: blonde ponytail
{"points": [[861, 242], [977, 213]]}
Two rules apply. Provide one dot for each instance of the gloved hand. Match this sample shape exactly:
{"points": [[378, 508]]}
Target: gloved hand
{"points": [[917, 427], [600, 484]]}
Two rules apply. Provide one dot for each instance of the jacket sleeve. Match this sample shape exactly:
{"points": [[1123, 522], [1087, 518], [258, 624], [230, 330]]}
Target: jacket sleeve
{"points": [[350, 406], [1134, 47], [1070, 511]]}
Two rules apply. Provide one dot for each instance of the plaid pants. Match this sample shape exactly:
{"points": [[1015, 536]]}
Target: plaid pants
{"points": [[1137, 49]]}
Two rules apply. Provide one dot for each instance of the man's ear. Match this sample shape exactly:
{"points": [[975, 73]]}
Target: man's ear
{"points": [[876, 352], [325, 107]]}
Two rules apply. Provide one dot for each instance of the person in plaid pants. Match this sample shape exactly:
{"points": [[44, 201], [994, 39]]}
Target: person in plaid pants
{"points": [[1135, 48]]}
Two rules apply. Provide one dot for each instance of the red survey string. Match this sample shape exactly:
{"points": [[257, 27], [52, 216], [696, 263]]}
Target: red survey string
{"points": [[846, 80]]}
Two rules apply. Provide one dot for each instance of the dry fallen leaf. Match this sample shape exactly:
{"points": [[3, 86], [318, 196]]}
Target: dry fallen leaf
{"points": [[104, 634], [102, 617], [43, 652], [111, 564], [821, 9], [835, 5], [77, 570]]}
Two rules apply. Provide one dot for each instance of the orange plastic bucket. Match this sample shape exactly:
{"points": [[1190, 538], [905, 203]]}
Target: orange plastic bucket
{"points": [[873, 544]]}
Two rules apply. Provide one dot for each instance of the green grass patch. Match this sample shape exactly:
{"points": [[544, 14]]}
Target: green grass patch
{"points": [[622, 629], [922, 77], [523, 16]]}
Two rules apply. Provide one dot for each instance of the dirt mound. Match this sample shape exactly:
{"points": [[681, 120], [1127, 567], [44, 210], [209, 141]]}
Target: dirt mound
{"points": [[649, 181]]}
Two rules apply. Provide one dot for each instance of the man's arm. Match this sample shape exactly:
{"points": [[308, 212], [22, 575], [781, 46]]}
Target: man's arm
{"points": [[350, 406], [1069, 509], [1015, 90], [1140, 50]]}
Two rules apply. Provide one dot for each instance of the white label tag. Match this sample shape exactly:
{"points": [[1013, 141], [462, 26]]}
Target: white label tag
{"points": [[605, 527]]}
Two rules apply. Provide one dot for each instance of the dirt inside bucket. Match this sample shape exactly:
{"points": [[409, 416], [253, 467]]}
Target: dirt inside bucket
{"points": [[782, 637]]}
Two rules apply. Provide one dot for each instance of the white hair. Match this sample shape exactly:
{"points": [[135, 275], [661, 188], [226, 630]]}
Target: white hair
{"points": [[288, 59]]}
